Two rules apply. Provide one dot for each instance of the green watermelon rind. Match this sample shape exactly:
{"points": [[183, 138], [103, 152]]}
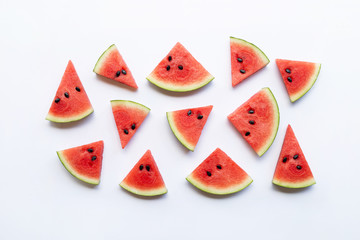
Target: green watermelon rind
{"points": [[261, 54], [129, 103], [177, 133], [146, 193], [267, 145], [311, 82], [174, 88], [217, 191], [74, 118], [287, 184], [83, 178], [102, 58]]}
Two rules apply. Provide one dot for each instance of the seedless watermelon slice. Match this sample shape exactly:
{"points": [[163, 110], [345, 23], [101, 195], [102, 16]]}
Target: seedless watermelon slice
{"points": [[112, 65], [84, 162], [187, 124], [179, 71], [219, 174], [298, 76], [71, 102], [246, 59], [292, 169], [145, 178], [257, 120], [128, 117]]}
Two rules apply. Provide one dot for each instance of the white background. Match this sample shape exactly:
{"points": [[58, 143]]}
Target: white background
{"points": [[39, 199]]}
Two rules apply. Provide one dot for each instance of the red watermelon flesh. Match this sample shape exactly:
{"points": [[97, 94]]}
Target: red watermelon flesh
{"points": [[298, 76], [71, 102], [179, 71], [257, 120], [219, 174], [187, 124], [145, 178], [112, 65], [292, 169], [128, 117], [246, 59], [84, 162]]}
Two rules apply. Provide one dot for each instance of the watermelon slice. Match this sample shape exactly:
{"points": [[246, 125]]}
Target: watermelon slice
{"points": [[112, 65], [145, 178], [71, 102], [128, 117], [84, 162], [298, 76], [257, 120], [246, 59], [187, 124], [219, 174], [179, 71], [292, 169]]}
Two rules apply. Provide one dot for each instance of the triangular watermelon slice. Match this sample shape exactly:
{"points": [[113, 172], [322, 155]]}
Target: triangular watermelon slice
{"points": [[128, 117], [112, 65], [145, 178], [219, 174], [187, 124], [246, 59], [71, 102], [292, 169], [298, 76], [84, 162], [257, 120], [179, 71]]}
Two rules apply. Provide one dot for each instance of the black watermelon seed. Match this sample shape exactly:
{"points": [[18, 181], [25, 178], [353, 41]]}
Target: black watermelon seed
{"points": [[180, 67], [289, 79], [295, 156], [147, 168], [167, 67], [247, 133], [57, 100], [200, 117], [93, 158], [123, 72], [169, 58], [77, 89], [298, 167], [242, 71], [90, 150], [218, 166], [284, 159], [288, 70], [133, 126], [252, 122], [208, 173], [66, 94], [126, 131], [251, 111], [141, 167], [118, 73], [239, 60], [189, 112]]}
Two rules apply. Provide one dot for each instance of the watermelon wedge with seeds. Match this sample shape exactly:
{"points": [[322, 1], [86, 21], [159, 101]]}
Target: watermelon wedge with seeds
{"points": [[84, 162], [187, 124], [128, 117], [179, 71], [145, 179], [298, 76], [292, 169], [257, 120], [219, 174], [71, 102], [246, 59], [112, 65]]}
